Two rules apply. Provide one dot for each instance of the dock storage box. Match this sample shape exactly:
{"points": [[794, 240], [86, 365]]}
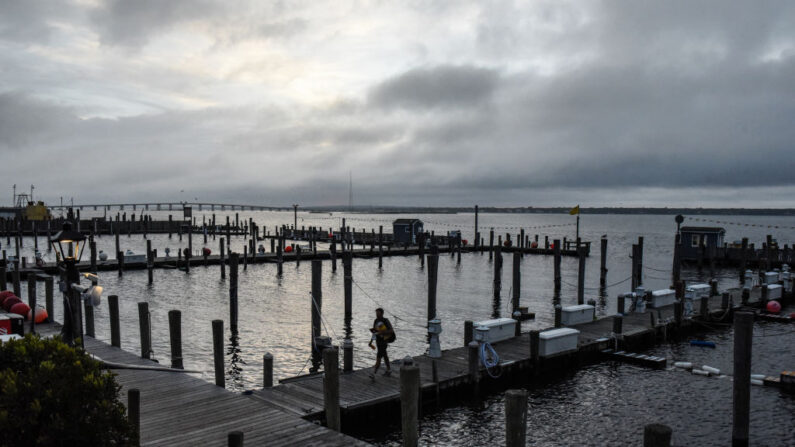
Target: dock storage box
{"points": [[774, 292], [771, 277], [499, 329], [557, 341], [662, 298], [11, 324], [697, 291], [571, 315]]}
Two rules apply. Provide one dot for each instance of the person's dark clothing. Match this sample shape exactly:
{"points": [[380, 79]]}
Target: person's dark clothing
{"points": [[380, 342]]}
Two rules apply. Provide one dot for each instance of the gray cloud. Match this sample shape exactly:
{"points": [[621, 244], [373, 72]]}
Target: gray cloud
{"points": [[441, 86], [615, 104]]}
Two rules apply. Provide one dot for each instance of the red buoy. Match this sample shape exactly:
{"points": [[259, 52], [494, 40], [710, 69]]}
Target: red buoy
{"points": [[20, 308], [773, 307], [464, 242], [10, 302], [507, 243], [288, 249], [5, 294], [206, 251]]}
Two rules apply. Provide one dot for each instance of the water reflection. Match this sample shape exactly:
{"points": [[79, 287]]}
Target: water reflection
{"points": [[236, 362]]}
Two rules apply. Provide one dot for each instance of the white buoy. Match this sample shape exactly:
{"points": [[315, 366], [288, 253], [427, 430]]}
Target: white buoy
{"points": [[757, 382], [758, 376], [699, 372], [683, 365], [711, 370]]}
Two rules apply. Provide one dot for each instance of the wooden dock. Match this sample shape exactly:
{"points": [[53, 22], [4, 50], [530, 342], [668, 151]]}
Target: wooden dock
{"points": [[363, 399], [179, 409]]}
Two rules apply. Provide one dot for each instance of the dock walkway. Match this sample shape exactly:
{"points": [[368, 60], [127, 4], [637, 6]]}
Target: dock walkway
{"points": [[178, 409], [304, 396]]}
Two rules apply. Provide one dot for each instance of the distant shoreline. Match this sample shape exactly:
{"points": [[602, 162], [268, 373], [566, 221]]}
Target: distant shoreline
{"points": [[559, 210]]}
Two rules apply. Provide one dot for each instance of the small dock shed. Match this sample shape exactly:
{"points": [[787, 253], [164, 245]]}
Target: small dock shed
{"points": [[693, 238], [406, 230]]}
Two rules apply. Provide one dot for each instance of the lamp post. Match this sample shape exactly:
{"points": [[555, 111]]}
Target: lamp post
{"points": [[68, 245]]}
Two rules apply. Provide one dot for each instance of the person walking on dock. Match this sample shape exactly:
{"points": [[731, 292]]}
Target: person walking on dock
{"points": [[383, 334]]}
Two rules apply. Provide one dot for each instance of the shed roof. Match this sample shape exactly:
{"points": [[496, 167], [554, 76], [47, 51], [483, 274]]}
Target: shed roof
{"points": [[405, 221], [702, 230]]}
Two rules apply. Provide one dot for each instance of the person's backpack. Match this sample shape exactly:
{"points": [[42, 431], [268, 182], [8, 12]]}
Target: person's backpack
{"points": [[391, 337]]}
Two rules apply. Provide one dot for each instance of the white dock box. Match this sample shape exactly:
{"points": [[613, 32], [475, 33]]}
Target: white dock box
{"points": [[696, 291], [557, 341], [662, 298], [570, 315], [499, 329], [774, 292], [771, 278]]}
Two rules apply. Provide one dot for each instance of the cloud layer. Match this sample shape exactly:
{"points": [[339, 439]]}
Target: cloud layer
{"points": [[544, 104]]}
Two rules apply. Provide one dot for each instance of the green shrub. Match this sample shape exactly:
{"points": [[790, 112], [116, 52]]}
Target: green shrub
{"points": [[53, 395]]}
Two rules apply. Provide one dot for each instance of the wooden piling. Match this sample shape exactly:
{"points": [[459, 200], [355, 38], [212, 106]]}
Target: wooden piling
{"points": [[409, 403], [234, 439], [113, 310], [15, 277], [473, 363], [347, 265], [88, 312], [347, 355], [468, 331], [316, 299], [92, 245], [618, 324], [556, 261], [175, 337], [515, 418], [221, 248], [517, 282], [32, 304], [603, 262], [49, 286], [267, 370], [676, 272], [558, 315], [656, 435], [144, 325], [150, 262], [380, 247], [741, 393], [134, 414], [233, 265], [331, 387], [491, 244], [581, 276], [120, 262], [634, 268], [433, 267], [218, 352]]}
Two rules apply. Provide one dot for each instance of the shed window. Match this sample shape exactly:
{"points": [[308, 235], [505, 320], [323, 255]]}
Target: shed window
{"points": [[695, 240], [408, 229]]}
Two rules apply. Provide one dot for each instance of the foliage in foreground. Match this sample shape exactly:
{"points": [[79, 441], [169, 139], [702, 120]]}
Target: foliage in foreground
{"points": [[55, 395]]}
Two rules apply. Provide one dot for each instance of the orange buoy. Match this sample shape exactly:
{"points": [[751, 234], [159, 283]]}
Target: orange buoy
{"points": [[288, 249], [41, 314]]}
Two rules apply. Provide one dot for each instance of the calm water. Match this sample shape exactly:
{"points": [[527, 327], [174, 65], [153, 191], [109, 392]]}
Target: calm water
{"points": [[275, 312]]}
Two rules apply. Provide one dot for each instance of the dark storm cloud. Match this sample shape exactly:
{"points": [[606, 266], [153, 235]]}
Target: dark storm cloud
{"points": [[442, 86]]}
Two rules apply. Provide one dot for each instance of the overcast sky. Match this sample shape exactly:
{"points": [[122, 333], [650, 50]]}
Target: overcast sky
{"points": [[658, 103]]}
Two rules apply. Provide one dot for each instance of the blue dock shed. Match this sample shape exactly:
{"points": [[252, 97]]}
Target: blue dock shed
{"points": [[405, 231]]}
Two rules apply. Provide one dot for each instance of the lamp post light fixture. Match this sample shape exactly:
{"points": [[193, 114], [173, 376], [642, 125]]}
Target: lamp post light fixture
{"points": [[68, 245]]}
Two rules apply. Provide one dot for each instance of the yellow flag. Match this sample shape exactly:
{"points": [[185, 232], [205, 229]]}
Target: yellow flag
{"points": [[575, 210]]}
